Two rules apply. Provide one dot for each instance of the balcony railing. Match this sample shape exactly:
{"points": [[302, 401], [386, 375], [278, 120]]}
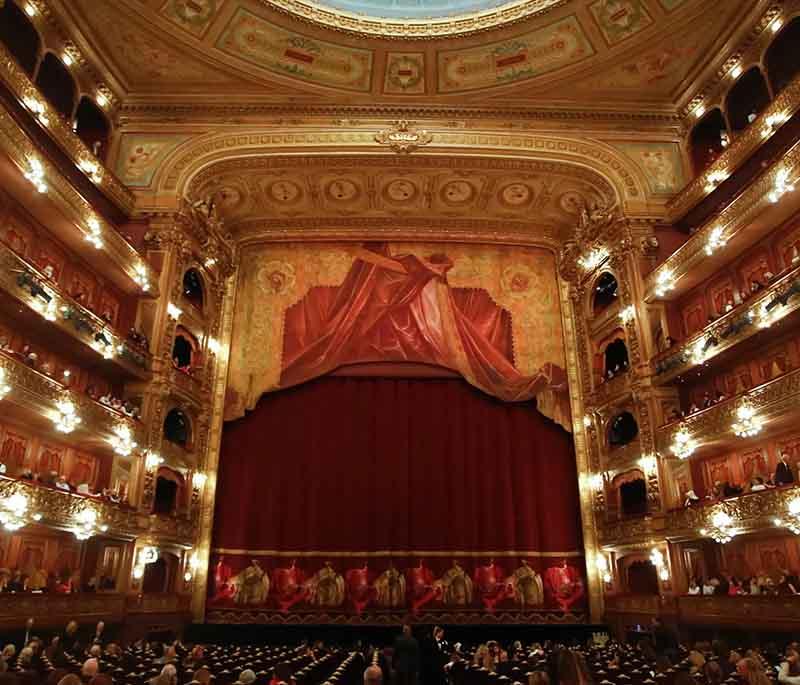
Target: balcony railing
{"points": [[772, 304], [31, 287], [27, 93]]}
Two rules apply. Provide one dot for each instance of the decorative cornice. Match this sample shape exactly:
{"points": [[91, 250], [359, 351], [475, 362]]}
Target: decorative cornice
{"points": [[511, 12], [736, 217], [16, 145], [83, 158]]}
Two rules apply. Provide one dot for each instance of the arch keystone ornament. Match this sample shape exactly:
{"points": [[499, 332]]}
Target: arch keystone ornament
{"points": [[402, 138]]}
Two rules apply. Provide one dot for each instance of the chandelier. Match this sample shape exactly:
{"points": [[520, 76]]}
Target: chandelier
{"points": [[86, 524], [793, 516], [66, 418], [14, 512], [683, 444], [122, 441], [721, 530], [594, 259], [5, 388], [748, 423]]}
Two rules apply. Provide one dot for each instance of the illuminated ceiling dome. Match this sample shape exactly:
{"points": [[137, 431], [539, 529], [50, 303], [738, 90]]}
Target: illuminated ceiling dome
{"points": [[414, 18]]}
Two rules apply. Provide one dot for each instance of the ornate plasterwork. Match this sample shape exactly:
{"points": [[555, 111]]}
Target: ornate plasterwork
{"points": [[368, 26]]}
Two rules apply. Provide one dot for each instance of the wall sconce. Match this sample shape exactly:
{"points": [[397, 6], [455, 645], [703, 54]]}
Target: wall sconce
{"points": [[5, 388], [153, 460], [94, 236], [86, 524], [772, 122], [602, 567], [138, 572], [748, 424], [122, 441], [683, 445], [657, 559], [65, 418], [698, 352], [140, 277], [781, 186], [715, 240], [596, 482], [736, 72], [776, 24], [213, 346], [148, 555], [627, 314], [36, 174], [101, 99], [594, 259], [173, 312], [700, 110], [14, 512], [587, 421], [30, 9], [793, 516], [198, 480], [721, 530], [665, 281], [191, 567], [38, 108], [649, 464]]}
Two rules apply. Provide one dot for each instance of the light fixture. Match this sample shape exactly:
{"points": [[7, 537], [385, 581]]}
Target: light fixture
{"points": [[699, 351], [587, 421], [776, 24], [213, 346], [14, 512], [210, 262], [66, 58], [596, 481], [683, 444], [86, 524], [198, 480], [65, 417], [793, 516], [92, 169], [5, 388], [140, 277], [101, 99], [30, 9], [700, 110], [138, 572], [772, 122], [714, 178], [736, 72], [649, 464], [173, 312], [781, 187], [748, 423], [36, 174], [122, 441], [153, 460], [594, 259], [665, 281], [628, 313], [721, 530], [657, 559], [715, 240], [148, 555], [38, 108], [187, 576], [602, 567], [764, 317]]}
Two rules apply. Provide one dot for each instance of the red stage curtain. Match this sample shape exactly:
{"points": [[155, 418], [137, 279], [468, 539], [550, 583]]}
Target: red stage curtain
{"points": [[397, 465]]}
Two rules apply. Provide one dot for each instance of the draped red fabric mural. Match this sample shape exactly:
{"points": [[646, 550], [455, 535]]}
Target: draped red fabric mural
{"points": [[362, 499], [489, 313]]}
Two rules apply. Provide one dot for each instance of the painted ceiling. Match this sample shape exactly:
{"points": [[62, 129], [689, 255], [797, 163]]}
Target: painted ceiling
{"points": [[590, 54], [412, 9]]}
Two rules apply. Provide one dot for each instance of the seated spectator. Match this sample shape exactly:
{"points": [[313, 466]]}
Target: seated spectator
{"points": [[789, 671], [783, 471], [372, 676], [694, 587], [89, 669]]}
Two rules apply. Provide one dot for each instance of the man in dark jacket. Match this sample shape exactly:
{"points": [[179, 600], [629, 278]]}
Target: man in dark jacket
{"points": [[406, 658]]}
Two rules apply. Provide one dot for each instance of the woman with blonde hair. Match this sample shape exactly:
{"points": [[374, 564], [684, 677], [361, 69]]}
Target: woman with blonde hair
{"points": [[752, 672]]}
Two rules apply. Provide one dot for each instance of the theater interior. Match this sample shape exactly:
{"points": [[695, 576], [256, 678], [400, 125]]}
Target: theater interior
{"points": [[323, 317]]}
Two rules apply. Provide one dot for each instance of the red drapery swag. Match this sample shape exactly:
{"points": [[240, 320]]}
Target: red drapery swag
{"points": [[400, 308], [333, 484]]}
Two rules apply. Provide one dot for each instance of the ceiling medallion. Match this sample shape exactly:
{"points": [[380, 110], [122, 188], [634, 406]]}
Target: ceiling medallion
{"points": [[402, 138]]}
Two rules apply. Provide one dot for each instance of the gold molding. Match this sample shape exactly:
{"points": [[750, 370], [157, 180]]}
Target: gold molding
{"points": [[499, 553]]}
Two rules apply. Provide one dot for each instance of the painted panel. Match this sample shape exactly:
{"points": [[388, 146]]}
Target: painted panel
{"points": [[405, 73], [661, 163], [251, 38], [620, 19], [518, 59], [140, 155]]}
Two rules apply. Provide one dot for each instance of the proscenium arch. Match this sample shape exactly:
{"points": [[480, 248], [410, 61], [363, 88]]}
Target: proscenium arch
{"points": [[186, 161]]}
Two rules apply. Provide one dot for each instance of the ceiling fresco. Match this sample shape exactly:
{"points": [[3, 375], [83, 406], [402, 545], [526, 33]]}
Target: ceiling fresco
{"points": [[570, 53], [413, 9]]}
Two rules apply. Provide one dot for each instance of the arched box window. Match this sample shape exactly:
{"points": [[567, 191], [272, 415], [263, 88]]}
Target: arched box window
{"points": [[185, 351], [57, 85], [92, 127], [170, 492], [605, 292], [709, 138], [19, 36], [783, 56], [622, 430], [193, 288], [178, 428], [748, 97]]}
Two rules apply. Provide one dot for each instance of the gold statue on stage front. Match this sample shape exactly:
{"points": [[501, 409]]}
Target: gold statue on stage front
{"points": [[326, 587], [390, 588], [456, 586]]}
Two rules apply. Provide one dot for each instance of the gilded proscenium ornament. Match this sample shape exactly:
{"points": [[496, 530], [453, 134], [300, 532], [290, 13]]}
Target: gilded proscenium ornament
{"points": [[403, 138]]}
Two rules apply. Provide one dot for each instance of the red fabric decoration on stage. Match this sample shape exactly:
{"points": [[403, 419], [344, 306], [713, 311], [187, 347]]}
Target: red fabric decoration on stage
{"points": [[400, 308], [358, 495]]}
